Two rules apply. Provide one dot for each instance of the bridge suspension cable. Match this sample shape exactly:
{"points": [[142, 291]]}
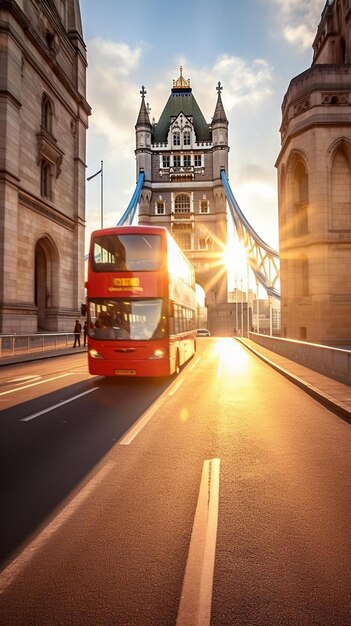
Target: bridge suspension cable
{"points": [[263, 260], [129, 214]]}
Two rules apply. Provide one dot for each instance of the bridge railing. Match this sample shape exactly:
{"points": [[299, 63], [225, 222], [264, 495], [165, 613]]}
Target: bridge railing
{"points": [[330, 361], [14, 345]]}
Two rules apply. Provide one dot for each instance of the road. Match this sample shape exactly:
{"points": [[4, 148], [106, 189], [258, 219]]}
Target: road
{"points": [[220, 497]]}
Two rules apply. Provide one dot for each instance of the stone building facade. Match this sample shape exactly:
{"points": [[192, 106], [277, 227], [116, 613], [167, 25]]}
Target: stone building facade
{"points": [[43, 123], [181, 156], [314, 181]]}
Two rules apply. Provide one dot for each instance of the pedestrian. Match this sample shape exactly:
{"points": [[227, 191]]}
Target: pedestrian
{"points": [[77, 331], [85, 332]]}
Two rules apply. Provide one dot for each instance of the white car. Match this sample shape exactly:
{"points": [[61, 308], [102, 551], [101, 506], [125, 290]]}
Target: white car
{"points": [[203, 332]]}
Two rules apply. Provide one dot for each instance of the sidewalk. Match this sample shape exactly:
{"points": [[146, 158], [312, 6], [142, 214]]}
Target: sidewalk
{"points": [[333, 394]]}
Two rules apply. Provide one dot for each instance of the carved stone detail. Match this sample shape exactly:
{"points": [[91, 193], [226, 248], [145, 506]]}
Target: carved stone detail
{"points": [[48, 150]]}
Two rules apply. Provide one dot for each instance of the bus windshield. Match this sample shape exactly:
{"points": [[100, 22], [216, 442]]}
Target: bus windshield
{"points": [[126, 252], [127, 319]]}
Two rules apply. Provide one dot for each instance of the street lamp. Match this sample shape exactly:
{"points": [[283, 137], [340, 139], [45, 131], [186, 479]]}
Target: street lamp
{"points": [[248, 298], [236, 306], [101, 172], [242, 308]]}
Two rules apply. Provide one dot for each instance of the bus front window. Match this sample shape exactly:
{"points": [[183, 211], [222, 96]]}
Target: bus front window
{"points": [[127, 319]]}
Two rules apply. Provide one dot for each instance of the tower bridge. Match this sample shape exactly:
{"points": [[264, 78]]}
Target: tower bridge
{"points": [[182, 165]]}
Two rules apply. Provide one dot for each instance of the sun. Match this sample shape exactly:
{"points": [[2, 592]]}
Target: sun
{"points": [[234, 259]]}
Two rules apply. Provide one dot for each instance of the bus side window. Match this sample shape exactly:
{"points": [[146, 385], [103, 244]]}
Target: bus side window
{"points": [[177, 318], [171, 318]]}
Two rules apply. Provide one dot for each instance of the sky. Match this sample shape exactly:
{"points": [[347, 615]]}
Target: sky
{"points": [[253, 47]]}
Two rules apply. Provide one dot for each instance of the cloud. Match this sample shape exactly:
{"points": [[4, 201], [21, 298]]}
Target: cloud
{"points": [[112, 91], [244, 82], [255, 173], [297, 20], [118, 57]]}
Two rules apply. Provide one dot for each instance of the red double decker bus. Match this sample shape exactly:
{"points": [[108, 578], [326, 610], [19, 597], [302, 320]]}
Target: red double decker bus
{"points": [[141, 303]]}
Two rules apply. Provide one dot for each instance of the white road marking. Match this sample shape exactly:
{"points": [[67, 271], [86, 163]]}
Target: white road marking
{"points": [[39, 382], [196, 598], [55, 406], [17, 566], [176, 387], [194, 364], [23, 379], [145, 417], [140, 423]]}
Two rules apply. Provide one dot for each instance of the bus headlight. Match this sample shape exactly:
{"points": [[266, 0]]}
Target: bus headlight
{"points": [[158, 354], [95, 354]]}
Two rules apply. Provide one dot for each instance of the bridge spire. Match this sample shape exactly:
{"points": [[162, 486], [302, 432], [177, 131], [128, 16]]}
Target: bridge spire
{"points": [[143, 117], [219, 114]]}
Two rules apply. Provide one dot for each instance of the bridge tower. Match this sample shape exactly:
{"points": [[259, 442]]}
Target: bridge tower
{"points": [[314, 179], [182, 156]]}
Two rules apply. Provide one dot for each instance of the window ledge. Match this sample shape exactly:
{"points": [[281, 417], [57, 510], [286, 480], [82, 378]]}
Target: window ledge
{"points": [[48, 150]]}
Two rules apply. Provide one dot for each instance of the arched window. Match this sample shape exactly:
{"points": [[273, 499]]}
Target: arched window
{"points": [[63, 11], [46, 114], [204, 206], [341, 191], [304, 276], [202, 243], [339, 17], [300, 188], [300, 184], [46, 180], [343, 59], [160, 207], [182, 203], [176, 138], [186, 138]]}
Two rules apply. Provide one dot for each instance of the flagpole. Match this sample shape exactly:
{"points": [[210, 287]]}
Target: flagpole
{"points": [[101, 172], [102, 194]]}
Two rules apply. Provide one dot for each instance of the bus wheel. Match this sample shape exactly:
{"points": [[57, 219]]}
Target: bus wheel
{"points": [[177, 365]]}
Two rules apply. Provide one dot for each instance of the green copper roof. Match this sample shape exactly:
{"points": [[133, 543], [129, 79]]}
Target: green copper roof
{"points": [[181, 102]]}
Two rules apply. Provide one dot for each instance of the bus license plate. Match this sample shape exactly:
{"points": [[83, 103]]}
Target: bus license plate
{"points": [[125, 372]]}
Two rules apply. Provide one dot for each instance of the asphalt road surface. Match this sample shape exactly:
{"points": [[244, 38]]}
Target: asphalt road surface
{"points": [[221, 497]]}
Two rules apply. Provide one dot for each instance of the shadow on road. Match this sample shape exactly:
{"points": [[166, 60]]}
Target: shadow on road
{"points": [[45, 459]]}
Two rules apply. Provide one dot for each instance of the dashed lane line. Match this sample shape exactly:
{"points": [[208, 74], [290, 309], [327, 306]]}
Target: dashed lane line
{"points": [[145, 417], [175, 388], [23, 379], [196, 599], [39, 382], [55, 406], [194, 364]]}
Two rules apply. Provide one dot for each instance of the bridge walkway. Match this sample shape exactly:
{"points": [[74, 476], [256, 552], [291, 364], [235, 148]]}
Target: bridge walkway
{"points": [[332, 393]]}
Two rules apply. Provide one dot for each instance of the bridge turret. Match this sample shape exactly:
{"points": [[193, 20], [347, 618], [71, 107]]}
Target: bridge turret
{"points": [[143, 131], [219, 129]]}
